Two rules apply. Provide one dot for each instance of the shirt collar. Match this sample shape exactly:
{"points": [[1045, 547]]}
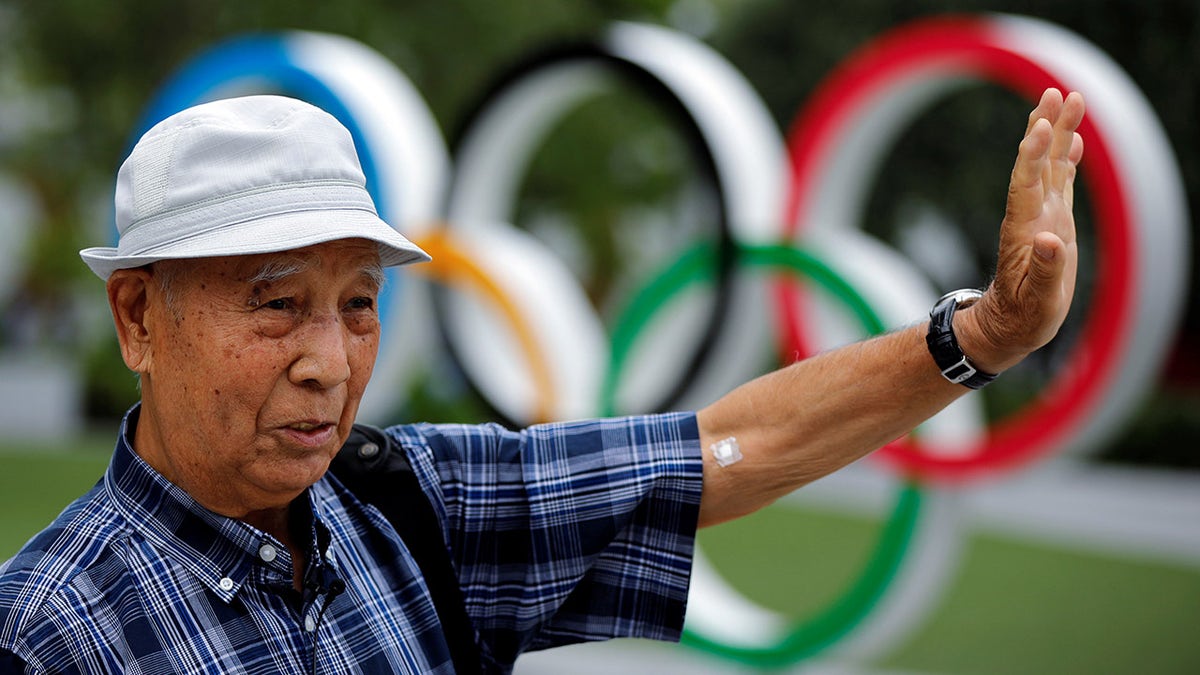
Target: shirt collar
{"points": [[220, 551]]}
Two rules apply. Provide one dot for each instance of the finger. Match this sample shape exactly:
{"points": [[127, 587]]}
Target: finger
{"points": [[1074, 156], [1025, 190], [1076, 153], [1063, 143], [1048, 107]]}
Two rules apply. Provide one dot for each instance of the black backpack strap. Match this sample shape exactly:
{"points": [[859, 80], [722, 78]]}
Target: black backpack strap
{"points": [[10, 662], [377, 471]]}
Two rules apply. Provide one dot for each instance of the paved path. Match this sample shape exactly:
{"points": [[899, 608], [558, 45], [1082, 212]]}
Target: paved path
{"points": [[1142, 513]]}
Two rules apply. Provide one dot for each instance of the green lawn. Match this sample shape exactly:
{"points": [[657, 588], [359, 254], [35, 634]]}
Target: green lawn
{"points": [[1015, 607], [37, 483]]}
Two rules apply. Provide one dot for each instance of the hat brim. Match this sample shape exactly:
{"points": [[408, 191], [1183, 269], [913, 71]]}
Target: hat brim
{"points": [[270, 234]]}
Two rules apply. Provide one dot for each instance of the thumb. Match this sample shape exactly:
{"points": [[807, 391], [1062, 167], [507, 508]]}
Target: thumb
{"points": [[1046, 264]]}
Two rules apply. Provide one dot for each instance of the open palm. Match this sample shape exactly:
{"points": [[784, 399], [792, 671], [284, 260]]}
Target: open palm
{"points": [[1038, 258]]}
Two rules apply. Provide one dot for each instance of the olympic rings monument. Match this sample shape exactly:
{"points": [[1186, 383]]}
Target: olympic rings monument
{"points": [[785, 259]]}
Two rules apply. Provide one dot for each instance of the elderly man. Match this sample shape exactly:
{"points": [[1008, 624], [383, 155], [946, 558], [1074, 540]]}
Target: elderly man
{"points": [[244, 292]]}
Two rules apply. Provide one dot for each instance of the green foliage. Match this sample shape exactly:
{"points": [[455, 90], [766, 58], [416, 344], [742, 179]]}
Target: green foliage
{"points": [[109, 387], [95, 65]]}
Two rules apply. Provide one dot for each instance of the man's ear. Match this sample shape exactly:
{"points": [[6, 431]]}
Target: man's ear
{"points": [[128, 297]]}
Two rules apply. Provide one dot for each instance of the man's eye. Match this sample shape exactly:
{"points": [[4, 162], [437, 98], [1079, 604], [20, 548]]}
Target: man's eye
{"points": [[361, 302], [278, 303]]}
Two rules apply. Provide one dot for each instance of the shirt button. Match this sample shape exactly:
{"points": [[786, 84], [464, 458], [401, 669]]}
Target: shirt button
{"points": [[310, 624], [226, 584], [368, 450], [267, 552]]}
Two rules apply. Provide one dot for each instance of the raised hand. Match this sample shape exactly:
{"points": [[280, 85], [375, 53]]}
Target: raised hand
{"points": [[1038, 259], [804, 421]]}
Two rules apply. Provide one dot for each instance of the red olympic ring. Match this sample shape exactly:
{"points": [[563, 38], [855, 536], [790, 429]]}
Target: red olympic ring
{"points": [[970, 47]]}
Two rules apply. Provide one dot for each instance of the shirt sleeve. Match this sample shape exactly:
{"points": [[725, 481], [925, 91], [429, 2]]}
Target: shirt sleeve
{"points": [[566, 532]]}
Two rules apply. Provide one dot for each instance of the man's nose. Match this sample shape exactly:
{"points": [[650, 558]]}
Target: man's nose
{"points": [[323, 361]]}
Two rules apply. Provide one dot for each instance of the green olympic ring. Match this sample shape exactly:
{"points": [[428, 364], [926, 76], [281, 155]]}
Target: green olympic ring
{"points": [[695, 265], [832, 623], [808, 637]]}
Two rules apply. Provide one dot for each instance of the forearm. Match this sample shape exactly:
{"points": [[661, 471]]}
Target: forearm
{"points": [[802, 422], [814, 417]]}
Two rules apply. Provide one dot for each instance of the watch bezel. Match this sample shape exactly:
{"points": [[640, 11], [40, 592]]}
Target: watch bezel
{"points": [[964, 296]]}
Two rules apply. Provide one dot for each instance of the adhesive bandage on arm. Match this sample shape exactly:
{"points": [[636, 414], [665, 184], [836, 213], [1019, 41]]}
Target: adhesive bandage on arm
{"points": [[726, 451]]}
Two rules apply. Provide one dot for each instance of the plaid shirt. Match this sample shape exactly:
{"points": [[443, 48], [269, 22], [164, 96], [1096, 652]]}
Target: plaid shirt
{"points": [[560, 533]]}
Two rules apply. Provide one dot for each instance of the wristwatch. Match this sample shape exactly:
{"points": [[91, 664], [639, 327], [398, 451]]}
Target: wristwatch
{"points": [[943, 345]]}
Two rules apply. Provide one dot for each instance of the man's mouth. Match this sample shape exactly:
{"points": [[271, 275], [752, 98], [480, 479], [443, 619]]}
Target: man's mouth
{"points": [[311, 433]]}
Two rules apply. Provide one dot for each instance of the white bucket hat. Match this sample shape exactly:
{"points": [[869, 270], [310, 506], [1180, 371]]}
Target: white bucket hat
{"points": [[255, 174]]}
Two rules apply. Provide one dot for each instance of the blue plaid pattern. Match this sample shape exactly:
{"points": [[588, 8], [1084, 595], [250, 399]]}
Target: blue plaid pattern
{"points": [[560, 533]]}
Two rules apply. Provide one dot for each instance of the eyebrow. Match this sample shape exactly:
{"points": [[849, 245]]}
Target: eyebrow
{"points": [[374, 272], [279, 269]]}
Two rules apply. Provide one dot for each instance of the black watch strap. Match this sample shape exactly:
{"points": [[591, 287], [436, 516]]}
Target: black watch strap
{"points": [[943, 345]]}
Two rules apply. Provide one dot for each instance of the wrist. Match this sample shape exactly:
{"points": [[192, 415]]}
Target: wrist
{"points": [[944, 342], [976, 342]]}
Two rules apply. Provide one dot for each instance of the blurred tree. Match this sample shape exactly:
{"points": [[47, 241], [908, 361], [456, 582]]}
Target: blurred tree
{"points": [[92, 67]]}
